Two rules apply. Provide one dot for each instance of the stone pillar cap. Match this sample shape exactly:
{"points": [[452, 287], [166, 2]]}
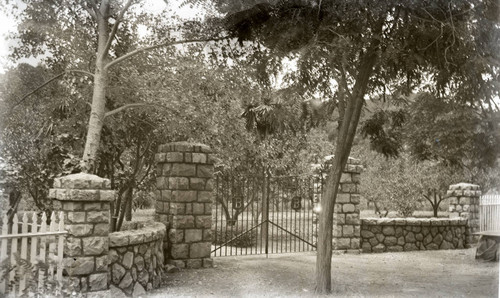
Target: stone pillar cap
{"points": [[82, 181], [350, 160], [464, 186], [184, 147]]}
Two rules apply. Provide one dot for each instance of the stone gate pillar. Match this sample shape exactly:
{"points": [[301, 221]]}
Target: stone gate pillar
{"points": [[347, 224], [85, 200], [464, 203], [184, 202]]}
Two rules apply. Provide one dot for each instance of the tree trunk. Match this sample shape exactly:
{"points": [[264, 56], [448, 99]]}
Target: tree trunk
{"points": [[128, 213], [98, 106], [342, 151], [127, 196], [435, 206], [96, 121]]}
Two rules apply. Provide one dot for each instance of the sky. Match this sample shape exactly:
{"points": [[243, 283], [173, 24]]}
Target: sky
{"points": [[8, 24]]}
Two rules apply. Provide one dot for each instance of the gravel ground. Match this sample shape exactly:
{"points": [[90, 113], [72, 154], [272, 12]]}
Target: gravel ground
{"points": [[446, 273]]}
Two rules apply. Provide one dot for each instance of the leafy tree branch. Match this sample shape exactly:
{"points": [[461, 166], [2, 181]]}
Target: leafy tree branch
{"points": [[165, 44], [24, 97]]}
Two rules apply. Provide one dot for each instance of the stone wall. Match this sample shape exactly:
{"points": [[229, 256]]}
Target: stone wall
{"points": [[347, 225], [184, 202], [136, 257], [406, 234]]}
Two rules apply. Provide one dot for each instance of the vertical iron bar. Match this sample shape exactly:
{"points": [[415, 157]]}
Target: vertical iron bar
{"points": [[309, 212], [280, 192], [286, 218], [267, 215], [241, 213], [270, 207], [299, 230], [236, 214], [273, 212], [253, 213], [216, 209], [262, 211], [294, 226], [303, 213], [247, 196], [227, 220]]}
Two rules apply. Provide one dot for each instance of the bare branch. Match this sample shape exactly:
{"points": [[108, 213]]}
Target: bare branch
{"points": [[453, 34], [124, 107], [91, 12], [428, 199], [491, 101], [166, 44], [432, 17], [343, 80], [48, 82], [131, 105], [94, 7], [115, 27]]}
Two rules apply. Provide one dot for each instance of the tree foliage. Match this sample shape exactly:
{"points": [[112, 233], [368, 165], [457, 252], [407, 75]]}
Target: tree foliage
{"points": [[453, 133], [107, 31], [403, 184], [436, 129], [40, 141]]}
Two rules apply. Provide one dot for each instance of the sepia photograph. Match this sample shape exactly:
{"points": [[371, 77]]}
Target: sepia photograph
{"points": [[249, 148]]}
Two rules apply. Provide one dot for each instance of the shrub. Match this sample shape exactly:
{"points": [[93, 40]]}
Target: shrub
{"points": [[30, 271]]}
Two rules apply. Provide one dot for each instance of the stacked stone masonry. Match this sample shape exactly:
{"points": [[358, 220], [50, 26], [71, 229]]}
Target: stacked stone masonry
{"points": [[184, 202], [347, 225], [136, 257], [85, 200], [464, 203], [406, 234]]}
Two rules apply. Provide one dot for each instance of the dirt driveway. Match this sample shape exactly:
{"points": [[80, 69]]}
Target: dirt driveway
{"points": [[446, 273]]}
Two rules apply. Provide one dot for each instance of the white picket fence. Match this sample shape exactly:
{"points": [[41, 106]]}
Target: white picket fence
{"points": [[489, 213], [33, 238]]}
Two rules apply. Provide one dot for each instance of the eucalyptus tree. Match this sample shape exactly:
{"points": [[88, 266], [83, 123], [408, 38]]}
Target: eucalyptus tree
{"points": [[92, 38], [370, 48]]}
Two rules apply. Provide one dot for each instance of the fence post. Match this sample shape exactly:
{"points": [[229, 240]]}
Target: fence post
{"points": [[85, 201], [464, 203], [347, 224], [184, 202]]}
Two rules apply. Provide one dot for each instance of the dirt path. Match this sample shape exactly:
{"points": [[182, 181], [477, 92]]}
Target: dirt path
{"points": [[450, 273]]}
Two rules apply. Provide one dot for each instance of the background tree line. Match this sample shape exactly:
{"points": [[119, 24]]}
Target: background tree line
{"points": [[139, 90]]}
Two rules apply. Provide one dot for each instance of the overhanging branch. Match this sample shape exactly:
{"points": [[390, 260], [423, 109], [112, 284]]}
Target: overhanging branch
{"points": [[166, 44], [94, 7], [22, 99], [131, 105], [124, 107]]}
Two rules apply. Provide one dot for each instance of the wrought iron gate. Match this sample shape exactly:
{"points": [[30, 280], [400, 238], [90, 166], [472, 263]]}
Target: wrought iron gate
{"points": [[264, 215]]}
